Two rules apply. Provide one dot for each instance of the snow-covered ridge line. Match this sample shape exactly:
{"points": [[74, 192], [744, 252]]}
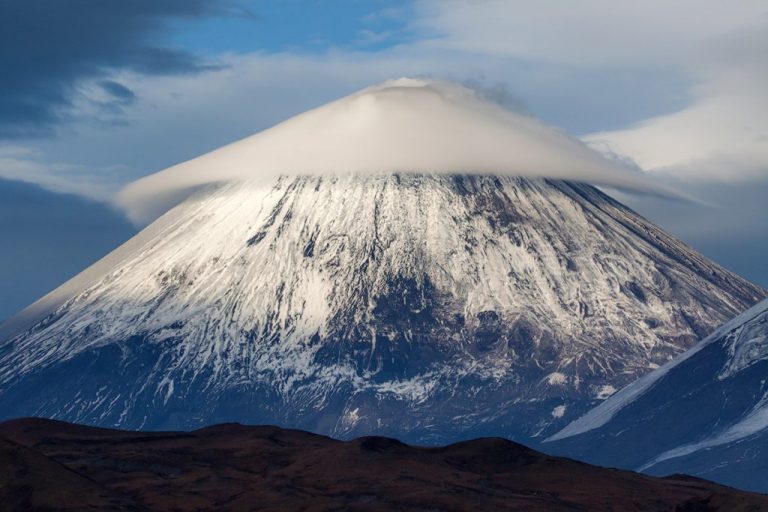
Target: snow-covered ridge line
{"points": [[402, 126], [604, 412]]}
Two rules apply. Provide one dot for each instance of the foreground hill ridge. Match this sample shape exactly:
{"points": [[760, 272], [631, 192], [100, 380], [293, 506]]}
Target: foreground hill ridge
{"points": [[51, 465], [416, 306]]}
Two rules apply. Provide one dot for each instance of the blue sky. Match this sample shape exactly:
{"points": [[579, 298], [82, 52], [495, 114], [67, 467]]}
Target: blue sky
{"points": [[96, 94], [310, 26]]}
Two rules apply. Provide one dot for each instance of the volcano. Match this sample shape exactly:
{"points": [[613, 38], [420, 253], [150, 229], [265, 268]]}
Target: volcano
{"points": [[429, 306]]}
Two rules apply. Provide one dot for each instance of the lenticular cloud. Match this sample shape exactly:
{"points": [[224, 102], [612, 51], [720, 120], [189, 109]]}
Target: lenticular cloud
{"points": [[402, 126]]}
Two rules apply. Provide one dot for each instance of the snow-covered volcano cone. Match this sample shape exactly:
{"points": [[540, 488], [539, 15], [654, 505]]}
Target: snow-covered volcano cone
{"points": [[426, 306]]}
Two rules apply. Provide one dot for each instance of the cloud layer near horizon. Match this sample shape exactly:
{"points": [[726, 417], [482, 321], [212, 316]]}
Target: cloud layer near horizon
{"points": [[402, 126]]}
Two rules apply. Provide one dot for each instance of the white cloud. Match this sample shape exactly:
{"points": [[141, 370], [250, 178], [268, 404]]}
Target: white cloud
{"points": [[589, 32], [720, 47], [404, 125], [722, 135], [29, 165]]}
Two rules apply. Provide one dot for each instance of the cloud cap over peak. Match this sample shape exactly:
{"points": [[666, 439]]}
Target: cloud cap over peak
{"points": [[404, 126]]}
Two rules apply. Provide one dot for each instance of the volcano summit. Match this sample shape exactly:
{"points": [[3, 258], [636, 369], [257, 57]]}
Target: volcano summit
{"points": [[428, 306]]}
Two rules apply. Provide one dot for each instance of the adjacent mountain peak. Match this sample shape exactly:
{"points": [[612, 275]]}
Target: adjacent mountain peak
{"points": [[704, 413], [744, 339], [400, 126], [429, 307]]}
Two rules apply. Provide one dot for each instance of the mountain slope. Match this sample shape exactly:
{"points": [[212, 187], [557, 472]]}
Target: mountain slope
{"points": [[430, 307], [705, 413], [235, 467]]}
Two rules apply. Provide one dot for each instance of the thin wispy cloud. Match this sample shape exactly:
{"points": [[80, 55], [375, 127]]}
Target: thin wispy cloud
{"points": [[29, 165]]}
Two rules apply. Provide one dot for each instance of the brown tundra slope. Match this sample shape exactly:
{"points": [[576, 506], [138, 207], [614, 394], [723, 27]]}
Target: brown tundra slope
{"points": [[50, 465]]}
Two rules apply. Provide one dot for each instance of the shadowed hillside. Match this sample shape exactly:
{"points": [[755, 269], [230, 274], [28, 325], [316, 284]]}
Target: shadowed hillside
{"points": [[50, 465]]}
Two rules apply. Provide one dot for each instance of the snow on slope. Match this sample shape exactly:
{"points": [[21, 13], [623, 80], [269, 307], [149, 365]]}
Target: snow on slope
{"points": [[401, 126], [424, 306]]}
